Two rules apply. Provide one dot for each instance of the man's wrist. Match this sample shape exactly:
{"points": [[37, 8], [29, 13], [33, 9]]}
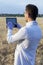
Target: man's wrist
{"points": [[19, 26]]}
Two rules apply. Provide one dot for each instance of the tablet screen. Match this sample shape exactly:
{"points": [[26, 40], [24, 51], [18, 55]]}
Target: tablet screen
{"points": [[13, 20]]}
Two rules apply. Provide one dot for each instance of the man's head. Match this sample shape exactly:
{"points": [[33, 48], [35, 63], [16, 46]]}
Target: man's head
{"points": [[31, 12]]}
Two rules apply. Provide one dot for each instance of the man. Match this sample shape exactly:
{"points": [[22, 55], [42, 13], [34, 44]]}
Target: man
{"points": [[30, 34]]}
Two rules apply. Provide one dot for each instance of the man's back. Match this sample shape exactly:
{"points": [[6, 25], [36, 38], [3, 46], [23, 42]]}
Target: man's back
{"points": [[34, 36], [27, 48]]}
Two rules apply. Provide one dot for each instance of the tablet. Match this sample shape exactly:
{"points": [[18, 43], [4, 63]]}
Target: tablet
{"points": [[13, 20]]}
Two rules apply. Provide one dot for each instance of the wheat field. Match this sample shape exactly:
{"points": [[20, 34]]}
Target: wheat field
{"points": [[7, 50]]}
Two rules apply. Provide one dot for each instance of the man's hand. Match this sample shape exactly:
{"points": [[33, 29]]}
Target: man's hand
{"points": [[10, 25], [18, 26]]}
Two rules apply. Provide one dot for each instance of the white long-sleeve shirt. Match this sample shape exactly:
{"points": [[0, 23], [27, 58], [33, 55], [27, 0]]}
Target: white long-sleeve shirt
{"points": [[18, 36], [26, 50]]}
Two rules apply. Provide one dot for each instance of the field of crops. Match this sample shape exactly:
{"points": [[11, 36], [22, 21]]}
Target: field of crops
{"points": [[7, 50]]}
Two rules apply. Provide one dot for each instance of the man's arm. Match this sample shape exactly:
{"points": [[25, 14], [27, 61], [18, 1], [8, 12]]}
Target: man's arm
{"points": [[21, 34]]}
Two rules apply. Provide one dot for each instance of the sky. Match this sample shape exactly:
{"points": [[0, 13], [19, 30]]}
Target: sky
{"points": [[18, 6]]}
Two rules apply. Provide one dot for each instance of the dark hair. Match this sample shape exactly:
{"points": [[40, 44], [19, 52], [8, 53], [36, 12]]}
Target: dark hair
{"points": [[32, 11]]}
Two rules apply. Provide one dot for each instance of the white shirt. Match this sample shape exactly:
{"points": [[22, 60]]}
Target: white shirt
{"points": [[21, 34], [26, 50]]}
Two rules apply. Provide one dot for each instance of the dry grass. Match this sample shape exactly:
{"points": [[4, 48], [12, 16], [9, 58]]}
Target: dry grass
{"points": [[7, 50]]}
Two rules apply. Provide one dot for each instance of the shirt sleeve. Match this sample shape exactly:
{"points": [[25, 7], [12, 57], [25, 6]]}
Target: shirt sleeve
{"points": [[21, 34]]}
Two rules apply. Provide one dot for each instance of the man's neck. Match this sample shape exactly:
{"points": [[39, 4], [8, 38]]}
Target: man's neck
{"points": [[30, 20]]}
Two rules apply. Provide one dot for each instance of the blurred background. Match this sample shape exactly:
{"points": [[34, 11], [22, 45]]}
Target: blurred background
{"points": [[12, 9]]}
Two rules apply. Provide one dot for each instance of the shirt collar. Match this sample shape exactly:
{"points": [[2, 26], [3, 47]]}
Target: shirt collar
{"points": [[29, 23]]}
